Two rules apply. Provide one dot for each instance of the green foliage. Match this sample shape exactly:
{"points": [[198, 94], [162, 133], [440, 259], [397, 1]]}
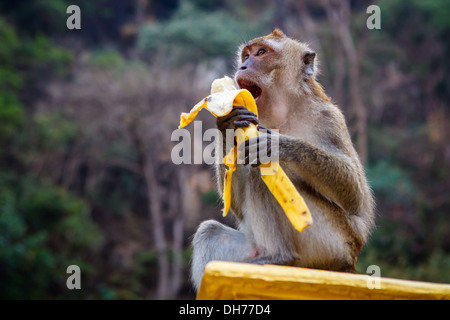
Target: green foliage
{"points": [[427, 22], [407, 170], [11, 118], [116, 193], [391, 182], [43, 230], [437, 11], [106, 58], [391, 256], [211, 198], [192, 34], [22, 58], [426, 14], [45, 227], [24, 64], [54, 131], [43, 56], [42, 16]]}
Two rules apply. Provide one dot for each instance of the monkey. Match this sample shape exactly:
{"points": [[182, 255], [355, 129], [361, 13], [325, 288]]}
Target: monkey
{"points": [[316, 152]]}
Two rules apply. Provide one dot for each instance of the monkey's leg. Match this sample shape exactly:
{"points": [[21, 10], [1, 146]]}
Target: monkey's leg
{"points": [[274, 259], [215, 241]]}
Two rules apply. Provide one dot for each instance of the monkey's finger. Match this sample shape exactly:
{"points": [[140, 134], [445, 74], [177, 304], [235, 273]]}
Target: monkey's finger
{"points": [[257, 142], [262, 147], [223, 124], [265, 157], [249, 114], [256, 163], [251, 157], [229, 118], [268, 151], [265, 139], [240, 110], [230, 115], [246, 118], [241, 124], [244, 109], [244, 147], [251, 160], [263, 129], [222, 120], [226, 122], [252, 149]]}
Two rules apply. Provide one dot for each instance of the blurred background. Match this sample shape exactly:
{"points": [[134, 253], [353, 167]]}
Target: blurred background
{"points": [[86, 118]]}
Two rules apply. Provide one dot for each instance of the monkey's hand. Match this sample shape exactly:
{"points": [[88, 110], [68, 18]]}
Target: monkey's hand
{"points": [[239, 117], [262, 149]]}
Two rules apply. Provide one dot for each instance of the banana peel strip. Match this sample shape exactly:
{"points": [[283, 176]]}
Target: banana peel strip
{"points": [[223, 97]]}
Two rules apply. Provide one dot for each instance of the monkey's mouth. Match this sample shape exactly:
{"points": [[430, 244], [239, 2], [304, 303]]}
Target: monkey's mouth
{"points": [[250, 86]]}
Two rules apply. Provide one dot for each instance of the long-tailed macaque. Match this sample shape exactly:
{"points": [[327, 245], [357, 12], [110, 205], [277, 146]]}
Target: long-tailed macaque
{"points": [[315, 151]]}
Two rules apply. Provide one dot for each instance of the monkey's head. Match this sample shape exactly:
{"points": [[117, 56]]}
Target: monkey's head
{"points": [[274, 67]]}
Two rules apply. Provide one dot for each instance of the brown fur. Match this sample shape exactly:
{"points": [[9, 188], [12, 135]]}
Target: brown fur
{"points": [[315, 151], [277, 33], [316, 147], [318, 91]]}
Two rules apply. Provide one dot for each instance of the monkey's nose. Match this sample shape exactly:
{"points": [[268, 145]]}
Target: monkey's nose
{"points": [[243, 67]]}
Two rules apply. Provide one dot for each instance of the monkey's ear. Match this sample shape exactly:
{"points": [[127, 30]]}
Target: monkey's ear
{"points": [[308, 62]]}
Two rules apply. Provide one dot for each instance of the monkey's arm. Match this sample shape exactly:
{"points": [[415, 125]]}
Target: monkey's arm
{"points": [[335, 175]]}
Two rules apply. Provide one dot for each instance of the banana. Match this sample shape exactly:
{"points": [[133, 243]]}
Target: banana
{"points": [[224, 96]]}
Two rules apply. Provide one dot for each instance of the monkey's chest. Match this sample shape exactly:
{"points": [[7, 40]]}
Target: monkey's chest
{"points": [[260, 203]]}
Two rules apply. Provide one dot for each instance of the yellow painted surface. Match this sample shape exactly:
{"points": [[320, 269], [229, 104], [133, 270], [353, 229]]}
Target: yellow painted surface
{"points": [[232, 281]]}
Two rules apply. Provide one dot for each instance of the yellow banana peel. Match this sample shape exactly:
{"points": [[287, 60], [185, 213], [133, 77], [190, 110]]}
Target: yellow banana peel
{"points": [[224, 96]]}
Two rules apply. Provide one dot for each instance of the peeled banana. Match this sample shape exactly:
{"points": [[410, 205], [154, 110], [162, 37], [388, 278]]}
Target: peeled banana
{"points": [[224, 96]]}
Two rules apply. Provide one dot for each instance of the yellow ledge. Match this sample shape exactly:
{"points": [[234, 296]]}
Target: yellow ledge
{"points": [[236, 281]]}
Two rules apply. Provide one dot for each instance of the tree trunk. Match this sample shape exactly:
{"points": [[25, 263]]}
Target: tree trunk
{"points": [[355, 96], [339, 74], [154, 199], [177, 248], [178, 233], [338, 14], [162, 291]]}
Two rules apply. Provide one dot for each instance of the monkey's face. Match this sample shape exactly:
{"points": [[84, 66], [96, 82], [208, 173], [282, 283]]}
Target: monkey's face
{"points": [[257, 71], [275, 68]]}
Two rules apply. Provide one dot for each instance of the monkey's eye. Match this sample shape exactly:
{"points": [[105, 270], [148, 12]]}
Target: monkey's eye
{"points": [[246, 57], [261, 51]]}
